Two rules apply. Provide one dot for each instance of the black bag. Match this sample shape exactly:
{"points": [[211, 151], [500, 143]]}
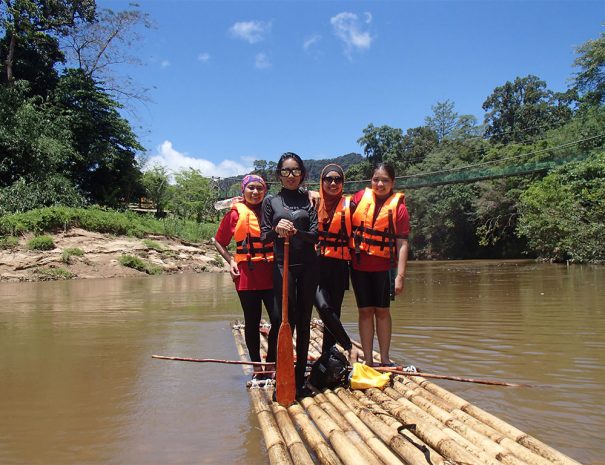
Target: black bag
{"points": [[329, 370]]}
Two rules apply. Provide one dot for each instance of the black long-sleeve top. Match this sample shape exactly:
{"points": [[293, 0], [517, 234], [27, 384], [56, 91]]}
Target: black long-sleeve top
{"points": [[296, 207]]}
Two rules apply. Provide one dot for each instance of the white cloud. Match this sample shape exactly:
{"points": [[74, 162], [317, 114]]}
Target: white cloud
{"points": [[311, 41], [349, 28], [203, 57], [165, 64], [250, 31], [261, 61], [174, 161]]}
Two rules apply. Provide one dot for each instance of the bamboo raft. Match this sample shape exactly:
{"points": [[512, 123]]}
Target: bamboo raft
{"points": [[414, 422]]}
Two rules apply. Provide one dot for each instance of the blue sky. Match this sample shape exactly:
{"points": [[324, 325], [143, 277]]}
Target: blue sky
{"points": [[234, 81]]}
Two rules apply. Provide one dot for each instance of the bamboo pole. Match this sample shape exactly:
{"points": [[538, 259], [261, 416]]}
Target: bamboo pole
{"points": [[274, 442], [517, 449], [313, 437], [430, 430], [294, 443], [366, 450], [407, 446], [490, 447], [501, 426], [366, 434], [340, 442]]}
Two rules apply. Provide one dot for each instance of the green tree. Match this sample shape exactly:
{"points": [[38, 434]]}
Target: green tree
{"points": [[35, 141], [381, 144], [155, 182], [390, 145], [33, 21], [417, 144], [193, 196], [106, 167], [522, 110], [448, 124], [562, 216], [590, 79]]}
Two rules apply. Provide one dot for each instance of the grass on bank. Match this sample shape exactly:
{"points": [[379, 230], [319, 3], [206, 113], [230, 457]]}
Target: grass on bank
{"points": [[9, 243], [54, 273], [41, 243], [139, 264], [71, 252], [53, 219]]}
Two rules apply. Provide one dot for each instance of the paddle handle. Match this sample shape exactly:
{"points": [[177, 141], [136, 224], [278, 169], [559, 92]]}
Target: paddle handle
{"points": [[284, 291]]}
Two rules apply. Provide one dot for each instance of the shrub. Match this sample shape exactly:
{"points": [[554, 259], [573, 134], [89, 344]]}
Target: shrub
{"points": [[9, 243], [71, 252], [55, 273], [41, 243], [105, 221], [138, 264]]}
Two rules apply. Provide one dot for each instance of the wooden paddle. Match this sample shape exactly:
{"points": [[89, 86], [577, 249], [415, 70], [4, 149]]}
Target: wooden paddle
{"points": [[285, 384]]}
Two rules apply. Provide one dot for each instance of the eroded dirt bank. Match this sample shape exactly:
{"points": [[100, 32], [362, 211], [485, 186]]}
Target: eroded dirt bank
{"points": [[100, 257]]}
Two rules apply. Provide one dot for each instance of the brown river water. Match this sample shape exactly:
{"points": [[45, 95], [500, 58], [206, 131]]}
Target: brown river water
{"points": [[78, 384]]}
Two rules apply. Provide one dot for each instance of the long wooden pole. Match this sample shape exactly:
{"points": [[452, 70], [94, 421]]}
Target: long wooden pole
{"points": [[213, 360], [285, 384], [395, 370], [399, 371]]}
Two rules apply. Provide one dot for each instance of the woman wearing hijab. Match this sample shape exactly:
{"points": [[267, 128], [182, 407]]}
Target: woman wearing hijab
{"points": [[290, 214], [334, 219], [251, 267]]}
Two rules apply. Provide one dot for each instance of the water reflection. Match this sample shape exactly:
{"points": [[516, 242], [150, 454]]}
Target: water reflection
{"points": [[78, 385]]}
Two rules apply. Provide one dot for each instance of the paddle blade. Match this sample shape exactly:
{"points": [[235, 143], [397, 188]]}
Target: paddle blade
{"points": [[285, 383]]}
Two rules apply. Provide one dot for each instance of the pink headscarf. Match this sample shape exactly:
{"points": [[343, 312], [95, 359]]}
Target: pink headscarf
{"points": [[252, 178]]}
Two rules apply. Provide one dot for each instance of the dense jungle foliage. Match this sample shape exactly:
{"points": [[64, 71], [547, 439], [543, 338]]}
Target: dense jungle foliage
{"points": [[65, 144]]}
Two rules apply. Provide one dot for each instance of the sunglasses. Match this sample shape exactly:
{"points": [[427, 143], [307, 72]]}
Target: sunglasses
{"points": [[286, 172], [332, 179]]}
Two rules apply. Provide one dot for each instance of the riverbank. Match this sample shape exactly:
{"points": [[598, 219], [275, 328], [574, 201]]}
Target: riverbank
{"points": [[81, 254]]}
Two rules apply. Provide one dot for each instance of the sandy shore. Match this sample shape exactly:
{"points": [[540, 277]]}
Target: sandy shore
{"points": [[100, 257]]}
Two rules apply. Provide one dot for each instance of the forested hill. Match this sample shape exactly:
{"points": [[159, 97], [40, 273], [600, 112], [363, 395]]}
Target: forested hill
{"points": [[314, 167]]}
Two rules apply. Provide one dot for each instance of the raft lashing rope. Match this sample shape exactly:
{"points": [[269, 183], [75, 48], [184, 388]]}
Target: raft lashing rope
{"points": [[412, 422]]}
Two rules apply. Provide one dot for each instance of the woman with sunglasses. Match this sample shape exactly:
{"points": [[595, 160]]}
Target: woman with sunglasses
{"points": [[290, 213], [379, 243], [251, 267], [334, 218]]}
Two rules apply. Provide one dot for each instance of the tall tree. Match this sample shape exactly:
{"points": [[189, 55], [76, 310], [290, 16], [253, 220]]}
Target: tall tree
{"points": [[193, 196], [520, 111], [381, 143], [99, 47], [34, 20], [107, 167], [590, 80], [448, 124], [155, 182]]}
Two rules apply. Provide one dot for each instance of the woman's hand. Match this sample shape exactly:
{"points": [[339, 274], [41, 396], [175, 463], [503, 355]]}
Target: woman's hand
{"points": [[285, 228], [313, 198], [233, 269], [399, 284]]}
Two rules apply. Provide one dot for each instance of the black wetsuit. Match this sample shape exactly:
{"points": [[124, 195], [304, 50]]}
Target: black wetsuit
{"points": [[303, 270], [333, 282]]}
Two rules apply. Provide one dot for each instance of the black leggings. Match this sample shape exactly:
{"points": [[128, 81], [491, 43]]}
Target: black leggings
{"points": [[302, 283], [333, 281], [252, 305]]}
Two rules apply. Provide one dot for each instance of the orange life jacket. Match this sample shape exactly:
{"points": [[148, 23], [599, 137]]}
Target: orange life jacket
{"points": [[378, 237], [247, 237], [334, 237]]}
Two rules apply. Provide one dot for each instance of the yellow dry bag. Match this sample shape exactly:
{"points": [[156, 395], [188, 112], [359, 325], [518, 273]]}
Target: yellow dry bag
{"points": [[364, 377]]}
